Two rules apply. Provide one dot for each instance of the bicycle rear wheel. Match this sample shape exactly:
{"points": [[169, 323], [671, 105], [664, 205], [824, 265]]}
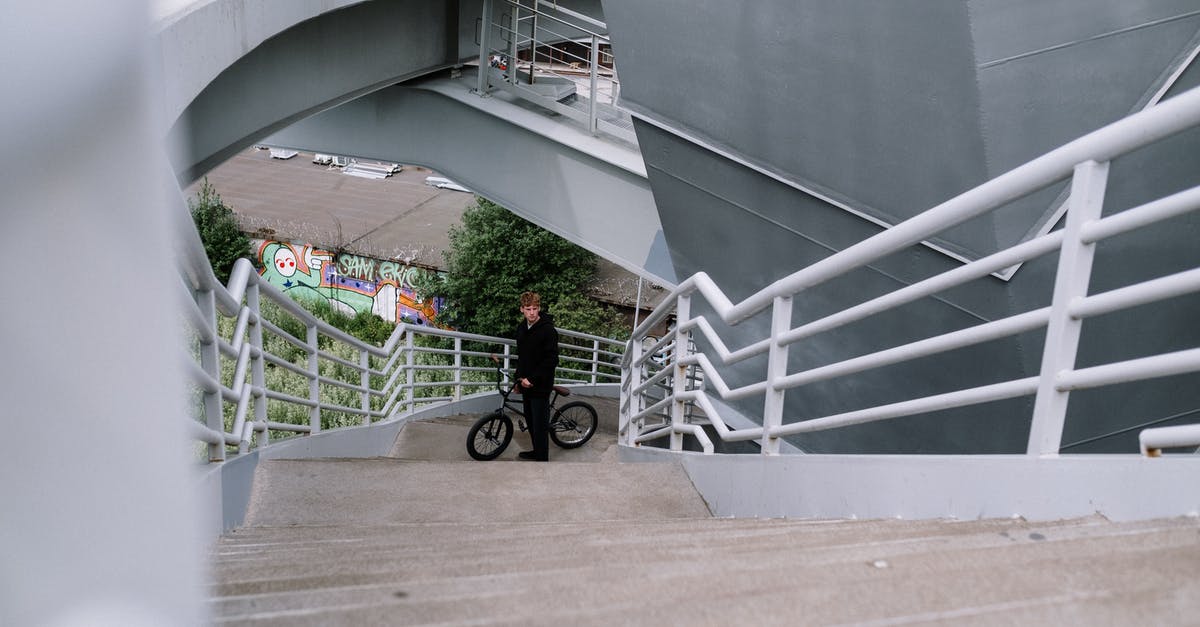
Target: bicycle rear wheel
{"points": [[573, 424], [489, 436]]}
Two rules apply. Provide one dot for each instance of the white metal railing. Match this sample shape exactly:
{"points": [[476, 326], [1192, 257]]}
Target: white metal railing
{"points": [[238, 373], [562, 52], [656, 397]]}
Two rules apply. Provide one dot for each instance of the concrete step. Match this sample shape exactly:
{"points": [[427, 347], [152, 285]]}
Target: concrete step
{"points": [[389, 491], [711, 571], [431, 537]]}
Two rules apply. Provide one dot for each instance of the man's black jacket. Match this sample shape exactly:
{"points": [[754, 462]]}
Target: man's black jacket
{"points": [[537, 355]]}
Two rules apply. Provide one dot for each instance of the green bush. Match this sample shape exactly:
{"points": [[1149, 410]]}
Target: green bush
{"points": [[494, 256], [219, 231]]}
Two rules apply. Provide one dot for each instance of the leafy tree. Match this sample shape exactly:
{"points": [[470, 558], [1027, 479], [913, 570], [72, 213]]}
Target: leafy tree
{"points": [[219, 231], [494, 256]]}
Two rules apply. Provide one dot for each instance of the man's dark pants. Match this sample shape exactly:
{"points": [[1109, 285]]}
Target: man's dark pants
{"points": [[537, 416]]}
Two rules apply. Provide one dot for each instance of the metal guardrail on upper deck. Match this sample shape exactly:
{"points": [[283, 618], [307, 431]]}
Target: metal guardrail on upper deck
{"points": [[647, 414], [546, 59]]}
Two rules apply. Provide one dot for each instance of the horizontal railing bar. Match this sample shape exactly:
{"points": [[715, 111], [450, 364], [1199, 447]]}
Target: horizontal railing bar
{"points": [[324, 328], [205, 434], [714, 377], [206, 382], [286, 365], [1164, 208], [652, 381], [1163, 365], [950, 400], [1155, 290], [575, 14], [339, 360], [344, 410], [969, 336], [1152, 441], [283, 396], [196, 319], [661, 432], [1135, 131], [267, 325], [727, 357], [653, 409], [287, 426], [723, 430], [354, 387], [542, 14], [974, 270]]}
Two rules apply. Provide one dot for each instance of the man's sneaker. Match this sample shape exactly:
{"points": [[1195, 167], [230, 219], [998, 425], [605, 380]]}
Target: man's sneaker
{"points": [[530, 455]]}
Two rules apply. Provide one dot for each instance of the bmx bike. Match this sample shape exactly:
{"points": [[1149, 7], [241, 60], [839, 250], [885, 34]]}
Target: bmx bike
{"points": [[571, 425]]}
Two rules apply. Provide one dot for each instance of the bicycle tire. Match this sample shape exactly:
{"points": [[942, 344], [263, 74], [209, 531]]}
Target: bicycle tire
{"points": [[573, 424], [489, 436]]}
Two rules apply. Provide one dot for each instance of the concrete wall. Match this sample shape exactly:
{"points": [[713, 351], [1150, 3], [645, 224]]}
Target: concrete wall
{"points": [[349, 283], [1118, 487]]}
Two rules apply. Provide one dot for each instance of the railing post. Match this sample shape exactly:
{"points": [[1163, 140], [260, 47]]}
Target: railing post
{"points": [[1062, 331], [258, 379], [485, 48], [457, 369], [679, 380], [364, 362], [210, 362], [631, 401], [314, 384], [594, 61], [409, 375], [777, 360], [595, 360], [513, 35]]}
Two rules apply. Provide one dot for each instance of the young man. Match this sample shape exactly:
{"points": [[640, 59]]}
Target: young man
{"points": [[537, 358]]}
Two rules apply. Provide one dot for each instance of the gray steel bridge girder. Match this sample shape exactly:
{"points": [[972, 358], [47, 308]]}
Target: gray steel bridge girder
{"points": [[309, 67], [586, 199]]}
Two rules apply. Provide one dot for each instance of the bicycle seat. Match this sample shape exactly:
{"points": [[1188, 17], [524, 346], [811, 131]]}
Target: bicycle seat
{"points": [[561, 391]]}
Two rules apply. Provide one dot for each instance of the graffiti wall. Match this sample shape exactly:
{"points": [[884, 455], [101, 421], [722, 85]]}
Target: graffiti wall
{"points": [[350, 283]]}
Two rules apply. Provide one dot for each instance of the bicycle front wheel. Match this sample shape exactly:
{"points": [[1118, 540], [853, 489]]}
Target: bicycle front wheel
{"points": [[573, 424], [489, 436]]}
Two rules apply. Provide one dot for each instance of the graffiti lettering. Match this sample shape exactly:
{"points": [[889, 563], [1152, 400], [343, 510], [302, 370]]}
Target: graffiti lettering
{"points": [[358, 284], [390, 271], [356, 267]]}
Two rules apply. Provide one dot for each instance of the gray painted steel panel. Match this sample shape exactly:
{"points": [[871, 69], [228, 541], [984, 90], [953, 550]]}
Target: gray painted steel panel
{"points": [[716, 155], [595, 203], [890, 108], [308, 68], [900, 486]]}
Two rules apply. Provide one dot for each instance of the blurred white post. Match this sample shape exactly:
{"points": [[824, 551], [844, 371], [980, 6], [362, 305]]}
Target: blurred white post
{"points": [[100, 524]]}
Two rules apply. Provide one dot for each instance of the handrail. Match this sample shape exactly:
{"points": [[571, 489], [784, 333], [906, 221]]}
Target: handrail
{"points": [[1084, 160], [240, 370], [499, 62]]}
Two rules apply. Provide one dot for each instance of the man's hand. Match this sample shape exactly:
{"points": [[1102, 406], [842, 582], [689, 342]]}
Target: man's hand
{"points": [[526, 383]]}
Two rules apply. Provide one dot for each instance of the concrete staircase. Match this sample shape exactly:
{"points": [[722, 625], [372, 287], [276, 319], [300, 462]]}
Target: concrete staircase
{"points": [[427, 536]]}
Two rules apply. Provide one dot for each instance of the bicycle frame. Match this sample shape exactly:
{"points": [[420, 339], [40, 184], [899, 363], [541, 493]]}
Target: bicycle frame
{"points": [[507, 405]]}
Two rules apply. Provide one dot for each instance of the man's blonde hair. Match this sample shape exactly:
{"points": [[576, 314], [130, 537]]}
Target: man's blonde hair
{"points": [[531, 298]]}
